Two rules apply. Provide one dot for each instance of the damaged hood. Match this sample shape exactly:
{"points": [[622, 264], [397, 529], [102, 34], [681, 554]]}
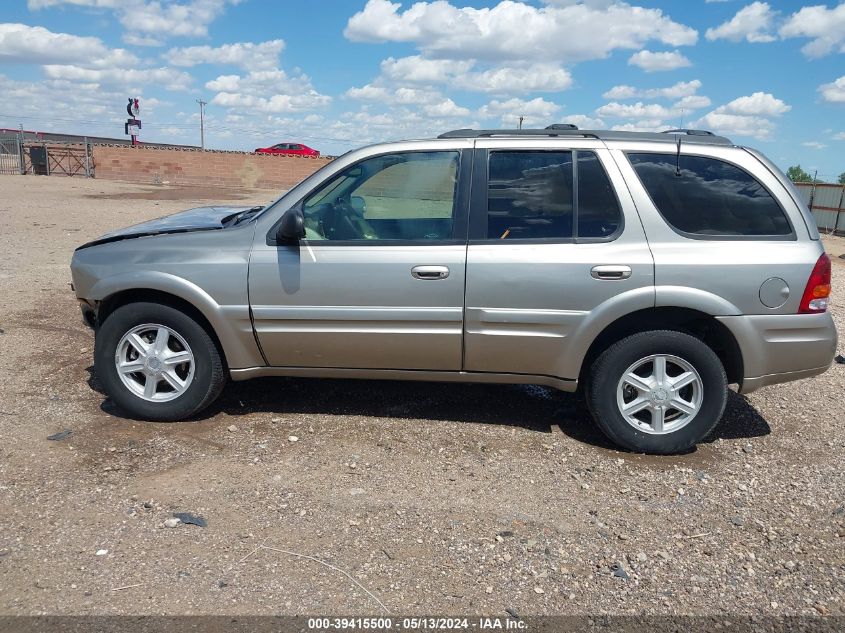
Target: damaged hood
{"points": [[199, 219]]}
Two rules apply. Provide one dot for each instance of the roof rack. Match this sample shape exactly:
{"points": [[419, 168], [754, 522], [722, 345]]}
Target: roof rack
{"points": [[566, 129]]}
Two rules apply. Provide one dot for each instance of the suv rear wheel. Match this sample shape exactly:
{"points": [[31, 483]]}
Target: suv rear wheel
{"points": [[657, 392], [157, 363]]}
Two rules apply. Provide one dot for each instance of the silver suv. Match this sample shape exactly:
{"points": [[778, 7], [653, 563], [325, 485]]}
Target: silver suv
{"points": [[651, 269]]}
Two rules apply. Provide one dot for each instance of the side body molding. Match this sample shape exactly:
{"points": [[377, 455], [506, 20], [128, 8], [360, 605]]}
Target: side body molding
{"points": [[232, 324]]}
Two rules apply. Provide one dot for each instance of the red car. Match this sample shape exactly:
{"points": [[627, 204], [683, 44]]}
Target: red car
{"points": [[291, 149]]}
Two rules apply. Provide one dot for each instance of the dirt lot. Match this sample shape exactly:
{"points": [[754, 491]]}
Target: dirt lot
{"points": [[438, 499]]}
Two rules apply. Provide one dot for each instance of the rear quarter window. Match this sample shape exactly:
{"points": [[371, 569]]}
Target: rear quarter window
{"points": [[709, 198]]}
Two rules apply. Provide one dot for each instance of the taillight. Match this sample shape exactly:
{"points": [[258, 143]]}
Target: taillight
{"points": [[817, 292]]}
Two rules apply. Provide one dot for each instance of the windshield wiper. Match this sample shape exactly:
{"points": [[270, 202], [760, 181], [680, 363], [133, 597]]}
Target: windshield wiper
{"points": [[240, 216]]}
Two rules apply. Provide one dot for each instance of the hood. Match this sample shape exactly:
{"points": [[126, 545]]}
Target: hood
{"points": [[199, 219]]}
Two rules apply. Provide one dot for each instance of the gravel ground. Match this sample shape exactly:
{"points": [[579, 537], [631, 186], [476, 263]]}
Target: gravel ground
{"points": [[436, 498]]}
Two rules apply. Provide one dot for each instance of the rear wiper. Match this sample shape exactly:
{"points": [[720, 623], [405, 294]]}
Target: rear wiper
{"points": [[240, 216]]}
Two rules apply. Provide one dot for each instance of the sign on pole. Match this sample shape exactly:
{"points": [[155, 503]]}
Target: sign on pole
{"points": [[133, 123]]}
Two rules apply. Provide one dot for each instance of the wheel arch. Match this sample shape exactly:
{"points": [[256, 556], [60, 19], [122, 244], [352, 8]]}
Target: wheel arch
{"points": [[112, 302], [230, 327], [700, 324]]}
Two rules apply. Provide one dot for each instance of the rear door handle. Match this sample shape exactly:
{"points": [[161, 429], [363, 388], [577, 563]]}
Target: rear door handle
{"points": [[610, 272], [429, 272]]}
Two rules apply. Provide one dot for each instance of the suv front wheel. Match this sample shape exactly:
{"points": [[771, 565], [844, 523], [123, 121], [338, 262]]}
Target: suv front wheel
{"points": [[657, 392], [157, 363]]}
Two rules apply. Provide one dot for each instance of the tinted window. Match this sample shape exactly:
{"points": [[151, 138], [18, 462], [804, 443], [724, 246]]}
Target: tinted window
{"points": [[529, 195], [599, 214], [709, 196], [408, 196]]}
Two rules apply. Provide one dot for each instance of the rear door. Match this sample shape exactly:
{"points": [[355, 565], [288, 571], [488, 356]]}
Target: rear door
{"points": [[554, 239]]}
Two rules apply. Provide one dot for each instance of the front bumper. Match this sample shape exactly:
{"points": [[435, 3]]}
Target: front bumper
{"points": [[89, 315], [782, 347]]}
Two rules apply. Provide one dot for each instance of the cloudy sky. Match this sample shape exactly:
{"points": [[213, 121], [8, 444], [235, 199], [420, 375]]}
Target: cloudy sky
{"points": [[337, 74]]}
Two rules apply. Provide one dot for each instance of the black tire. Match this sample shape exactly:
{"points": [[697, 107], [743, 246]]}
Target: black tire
{"points": [[209, 371], [607, 371]]}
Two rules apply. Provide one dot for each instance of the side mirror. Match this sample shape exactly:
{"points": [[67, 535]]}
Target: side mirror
{"points": [[292, 227]]}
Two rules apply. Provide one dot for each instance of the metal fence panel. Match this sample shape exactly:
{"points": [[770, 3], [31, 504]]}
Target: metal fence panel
{"points": [[10, 155], [827, 203]]}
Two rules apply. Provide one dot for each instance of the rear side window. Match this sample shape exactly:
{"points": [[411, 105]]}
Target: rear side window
{"points": [[707, 197], [531, 196], [599, 214]]}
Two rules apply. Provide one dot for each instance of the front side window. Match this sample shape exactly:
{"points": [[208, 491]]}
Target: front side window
{"points": [[708, 197], [403, 196]]}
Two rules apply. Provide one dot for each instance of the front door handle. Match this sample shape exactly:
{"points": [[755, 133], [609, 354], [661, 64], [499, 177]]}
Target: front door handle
{"points": [[429, 272], [610, 272]]}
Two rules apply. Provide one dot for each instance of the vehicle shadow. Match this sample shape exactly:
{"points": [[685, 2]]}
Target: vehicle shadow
{"points": [[531, 407]]}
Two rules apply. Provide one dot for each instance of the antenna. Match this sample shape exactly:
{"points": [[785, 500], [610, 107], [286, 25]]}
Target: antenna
{"points": [[678, 159]]}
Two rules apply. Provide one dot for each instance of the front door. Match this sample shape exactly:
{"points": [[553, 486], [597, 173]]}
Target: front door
{"points": [[552, 246], [378, 281]]}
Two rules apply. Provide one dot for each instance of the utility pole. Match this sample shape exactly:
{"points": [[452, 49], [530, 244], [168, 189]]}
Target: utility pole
{"points": [[202, 122], [521, 119]]}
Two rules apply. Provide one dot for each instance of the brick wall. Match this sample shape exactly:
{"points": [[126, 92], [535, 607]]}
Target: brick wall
{"points": [[202, 168]]}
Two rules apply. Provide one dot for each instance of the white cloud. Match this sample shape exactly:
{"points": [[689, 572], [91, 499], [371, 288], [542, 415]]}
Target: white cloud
{"points": [[513, 30], [722, 123], [368, 93], [535, 111], [266, 92], [677, 91], [275, 104], [757, 104], [637, 110], [516, 80], [654, 62], [395, 96], [645, 125], [147, 22], [246, 55], [745, 116], [825, 27], [158, 19], [752, 23], [692, 102], [168, 78], [834, 92], [582, 121], [417, 69], [44, 4], [22, 44], [839, 136], [461, 75], [445, 109], [814, 144]]}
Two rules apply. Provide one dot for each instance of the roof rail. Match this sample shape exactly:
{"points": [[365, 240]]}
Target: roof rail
{"points": [[468, 133], [562, 129], [689, 132]]}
